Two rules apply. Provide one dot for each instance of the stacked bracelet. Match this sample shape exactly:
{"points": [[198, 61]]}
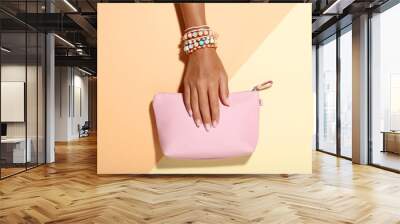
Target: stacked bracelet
{"points": [[196, 27], [197, 43], [197, 33], [198, 37]]}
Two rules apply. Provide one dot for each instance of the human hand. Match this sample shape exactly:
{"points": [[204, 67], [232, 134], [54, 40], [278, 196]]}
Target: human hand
{"points": [[205, 84]]}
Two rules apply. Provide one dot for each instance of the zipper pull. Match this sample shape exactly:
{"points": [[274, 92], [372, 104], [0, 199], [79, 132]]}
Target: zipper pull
{"points": [[263, 86]]}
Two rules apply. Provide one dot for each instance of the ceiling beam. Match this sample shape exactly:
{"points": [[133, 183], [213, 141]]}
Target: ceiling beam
{"points": [[337, 7], [86, 26], [82, 61], [320, 22]]}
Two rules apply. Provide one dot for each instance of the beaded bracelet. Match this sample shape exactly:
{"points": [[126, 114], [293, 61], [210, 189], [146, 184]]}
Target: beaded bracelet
{"points": [[191, 50], [207, 39], [197, 38], [197, 43], [197, 33]]}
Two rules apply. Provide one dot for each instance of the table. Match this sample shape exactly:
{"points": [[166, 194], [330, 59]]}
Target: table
{"points": [[391, 141], [13, 150]]}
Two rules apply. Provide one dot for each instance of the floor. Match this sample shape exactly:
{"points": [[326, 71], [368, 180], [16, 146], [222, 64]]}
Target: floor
{"points": [[10, 171], [69, 191], [5, 172]]}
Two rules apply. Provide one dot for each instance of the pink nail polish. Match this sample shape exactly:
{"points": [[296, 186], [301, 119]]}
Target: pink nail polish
{"points": [[190, 113], [214, 124], [207, 127]]}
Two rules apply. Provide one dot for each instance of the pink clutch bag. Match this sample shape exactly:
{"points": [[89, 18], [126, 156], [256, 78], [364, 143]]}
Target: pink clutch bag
{"points": [[236, 133]]}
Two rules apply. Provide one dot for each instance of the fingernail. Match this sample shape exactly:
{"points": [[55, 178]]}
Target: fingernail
{"points": [[190, 113], [215, 123], [198, 123], [207, 127], [228, 101]]}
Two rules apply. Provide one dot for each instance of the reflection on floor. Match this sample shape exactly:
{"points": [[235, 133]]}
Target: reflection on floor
{"points": [[11, 169], [70, 191], [386, 159]]}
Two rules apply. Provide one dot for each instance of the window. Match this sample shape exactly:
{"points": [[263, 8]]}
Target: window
{"points": [[327, 95], [394, 102], [385, 89], [346, 92]]}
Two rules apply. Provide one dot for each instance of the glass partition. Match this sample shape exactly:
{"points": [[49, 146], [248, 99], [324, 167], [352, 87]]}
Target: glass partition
{"points": [[31, 100], [22, 88], [14, 155], [34, 51], [41, 87]]}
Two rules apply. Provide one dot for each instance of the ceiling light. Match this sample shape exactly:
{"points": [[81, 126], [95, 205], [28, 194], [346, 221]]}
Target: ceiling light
{"points": [[70, 5], [84, 71], [65, 41], [5, 50]]}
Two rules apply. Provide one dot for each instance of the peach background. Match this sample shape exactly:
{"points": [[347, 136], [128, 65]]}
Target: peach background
{"points": [[138, 56]]}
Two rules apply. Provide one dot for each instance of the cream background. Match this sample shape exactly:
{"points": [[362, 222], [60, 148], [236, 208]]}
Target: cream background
{"points": [[258, 42]]}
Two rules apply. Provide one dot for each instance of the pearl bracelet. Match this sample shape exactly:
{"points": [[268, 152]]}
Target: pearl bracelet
{"points": [[198, 38], [197, 33], [197, 43], [189, 49]]}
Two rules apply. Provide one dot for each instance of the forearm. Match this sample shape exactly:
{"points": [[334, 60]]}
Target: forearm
{"points": [[205, 81], [193, 14]]}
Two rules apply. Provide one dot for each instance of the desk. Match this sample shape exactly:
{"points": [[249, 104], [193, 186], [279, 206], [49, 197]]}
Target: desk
{"points": [[13, 150], [391, 141]]}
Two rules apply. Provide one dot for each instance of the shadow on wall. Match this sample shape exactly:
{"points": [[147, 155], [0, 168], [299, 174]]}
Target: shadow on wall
{"points": [[156, 142]]}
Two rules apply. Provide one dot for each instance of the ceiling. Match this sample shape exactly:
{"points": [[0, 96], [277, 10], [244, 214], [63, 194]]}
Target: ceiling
{"points": [[76, 22]]}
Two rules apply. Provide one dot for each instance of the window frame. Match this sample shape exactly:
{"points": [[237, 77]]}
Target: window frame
{"points": [[334, 37]]}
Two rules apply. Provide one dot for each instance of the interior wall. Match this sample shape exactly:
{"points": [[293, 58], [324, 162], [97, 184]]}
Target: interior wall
{"points": [[16, 72], [71, 102], [80, 104], [33, 126], [62, 80]]}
